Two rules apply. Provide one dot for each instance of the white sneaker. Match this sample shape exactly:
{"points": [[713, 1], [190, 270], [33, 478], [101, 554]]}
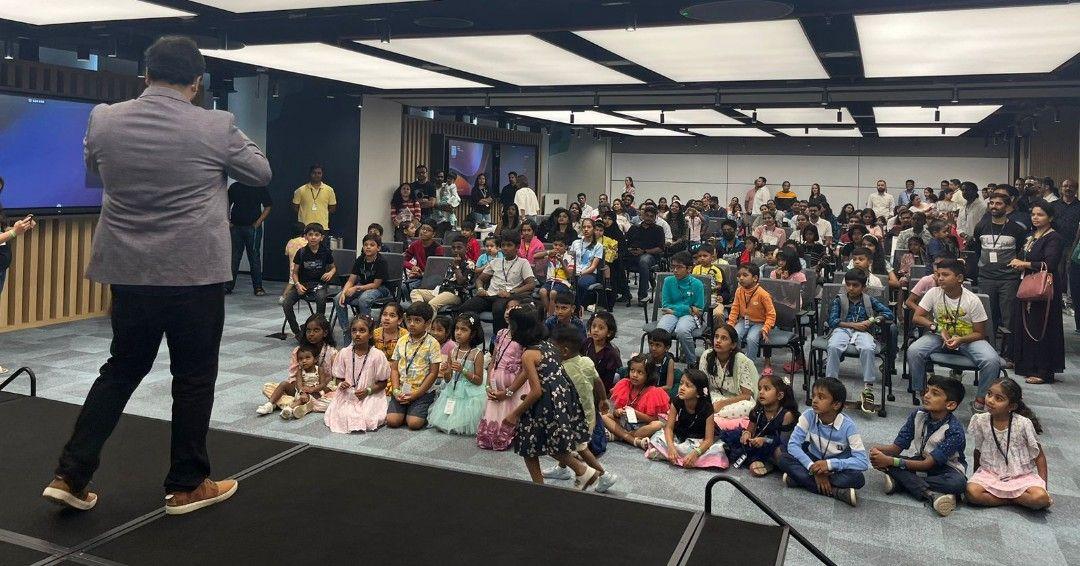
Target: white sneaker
{"points": [[605, 482], [847, 495], [890, 485], [265, 409], [558, 472], [585, 480], [301, 410], [286, 413], [943, 504]]}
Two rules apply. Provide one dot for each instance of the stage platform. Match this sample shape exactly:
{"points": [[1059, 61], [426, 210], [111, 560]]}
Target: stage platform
{"points": [[303, 505]]}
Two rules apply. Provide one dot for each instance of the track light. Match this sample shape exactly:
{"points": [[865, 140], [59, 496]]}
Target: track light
{"points": [[753, 117], [114, 48], [596, 100], [943, 130], [275, 90], [662, 118], [806, 131], [360, 101], [384, 32], [329, 96], [631, 21], [825, 97], [1054, 116], [82, 53], [937, 114], [717, 101], [142, 67], [839, 116], [487, 101], [571, 116], [955, 95], [9, 49]]}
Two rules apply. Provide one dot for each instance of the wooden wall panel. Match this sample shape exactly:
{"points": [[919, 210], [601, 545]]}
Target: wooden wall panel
{"points": [[416, 145], [47, 281], [1054, 151]]}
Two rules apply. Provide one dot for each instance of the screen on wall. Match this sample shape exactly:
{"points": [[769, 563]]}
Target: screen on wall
{"points": [[519, 159], [469, 159], [41, 156]]}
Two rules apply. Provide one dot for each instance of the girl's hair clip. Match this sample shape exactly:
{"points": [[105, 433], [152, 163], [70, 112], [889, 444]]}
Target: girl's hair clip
{"points": [[704, 391], [786, 380]]}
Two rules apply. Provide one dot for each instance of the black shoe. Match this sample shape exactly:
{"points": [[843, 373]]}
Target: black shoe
{"points": [[260, 292], [228, 290]]}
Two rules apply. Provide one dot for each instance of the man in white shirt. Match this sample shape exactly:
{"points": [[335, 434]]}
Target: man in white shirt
{"points": [[668, 235], [758, 196], [971, 212], [525, 198], [882, 202], [824, 227], [587, 211]]}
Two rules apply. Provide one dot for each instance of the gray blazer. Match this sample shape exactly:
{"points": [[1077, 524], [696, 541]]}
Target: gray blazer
{"points": [[164, 210]]}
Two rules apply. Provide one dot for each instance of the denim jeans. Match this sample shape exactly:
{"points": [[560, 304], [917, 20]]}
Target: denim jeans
{"points": [[945, 480], [1002, 293], [643, 264], [864, 343], [1074, 290], [584, 281], [750, 332], [682, 327], [243, 239], [191, 320], [981, 353], [802, 477], [316, 294], [361, 301]]}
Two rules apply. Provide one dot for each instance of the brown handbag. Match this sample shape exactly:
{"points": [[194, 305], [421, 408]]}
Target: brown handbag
{"points": [[1036, 287]]}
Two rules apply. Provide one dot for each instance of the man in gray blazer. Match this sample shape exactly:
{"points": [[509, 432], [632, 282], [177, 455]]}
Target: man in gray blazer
{"points": [[163, 245]]}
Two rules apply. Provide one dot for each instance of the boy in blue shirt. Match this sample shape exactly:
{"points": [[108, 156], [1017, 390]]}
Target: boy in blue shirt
{"points": [[564, 314], [935, 469], [852, 317], [825, 454]]}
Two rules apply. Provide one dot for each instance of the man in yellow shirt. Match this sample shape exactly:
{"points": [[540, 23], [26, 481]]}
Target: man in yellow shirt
{"points": [[315, 201]]}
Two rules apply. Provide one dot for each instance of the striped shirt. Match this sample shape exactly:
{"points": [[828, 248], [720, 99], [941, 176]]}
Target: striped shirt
{"points": [[838, 443]]}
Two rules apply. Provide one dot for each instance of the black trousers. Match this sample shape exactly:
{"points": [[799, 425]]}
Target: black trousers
{"points": [[493, 303], [191, 320]]}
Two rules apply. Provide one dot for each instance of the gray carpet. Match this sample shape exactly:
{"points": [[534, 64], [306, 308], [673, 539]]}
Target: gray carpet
{"points": [[883, 529]]}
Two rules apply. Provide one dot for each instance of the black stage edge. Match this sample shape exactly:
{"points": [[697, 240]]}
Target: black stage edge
{"points": [[6, 396], [12, 555], [129, 482], [348, 508]]}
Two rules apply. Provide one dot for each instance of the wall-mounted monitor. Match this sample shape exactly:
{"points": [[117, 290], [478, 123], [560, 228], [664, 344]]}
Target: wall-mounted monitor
{"points": [[520, 159], [469, 159], [41, 156]]}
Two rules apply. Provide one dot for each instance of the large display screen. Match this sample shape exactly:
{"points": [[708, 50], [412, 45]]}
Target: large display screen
{"points": [[41, 156], [469, 159], [520, 159]]}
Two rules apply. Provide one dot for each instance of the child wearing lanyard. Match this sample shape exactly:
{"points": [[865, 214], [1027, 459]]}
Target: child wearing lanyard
{"points": [[460, 403], [772, 419], [359, 404], [415, 365], [505, 366], [752, 312]]}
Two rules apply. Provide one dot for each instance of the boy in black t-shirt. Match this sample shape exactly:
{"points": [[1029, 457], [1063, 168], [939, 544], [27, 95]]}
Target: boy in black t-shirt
{"points": [[366, 284], [313, 267]]}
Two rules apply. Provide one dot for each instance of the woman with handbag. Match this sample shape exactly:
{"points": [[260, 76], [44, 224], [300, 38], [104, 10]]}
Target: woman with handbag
{"points": [[1037, 326]]}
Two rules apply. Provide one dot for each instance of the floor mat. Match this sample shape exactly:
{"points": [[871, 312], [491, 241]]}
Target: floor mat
{"points": [[757, 544], [352, 507], [14, 555], [129, 482]]}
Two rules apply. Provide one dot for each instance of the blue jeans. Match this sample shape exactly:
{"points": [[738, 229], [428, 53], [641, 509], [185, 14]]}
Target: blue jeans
{"points": [[802, 477], [945, 480], [864, 343], [583, 284], [981, 353], [643, 264], [682, 327], [243, 239], [481, 218], [751, 334], [361, 301]]}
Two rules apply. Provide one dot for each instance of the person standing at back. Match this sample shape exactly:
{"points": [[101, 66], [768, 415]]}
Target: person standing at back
{"points": [[163, 162], [248, 209], [315, 200], [525, 198]]}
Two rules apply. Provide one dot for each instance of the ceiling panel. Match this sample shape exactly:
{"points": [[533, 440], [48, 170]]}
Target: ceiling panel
{"points": [[50, 12], [983, 41], [273, 5], [581, 118], [691, 116], [895, 132], [731, 132], [329, 62], [810, 115], [521, 60], [949, 114], [744, 51]]}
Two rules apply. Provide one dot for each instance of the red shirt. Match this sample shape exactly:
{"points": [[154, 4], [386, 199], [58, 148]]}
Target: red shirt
{"points": [[416, 254], [473, 253]]}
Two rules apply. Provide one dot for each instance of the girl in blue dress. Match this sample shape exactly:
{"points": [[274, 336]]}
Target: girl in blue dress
{"points": [[460, 404]]}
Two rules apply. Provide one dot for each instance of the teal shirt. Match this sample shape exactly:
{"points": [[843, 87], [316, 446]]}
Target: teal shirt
{"points": [[679, 295]]}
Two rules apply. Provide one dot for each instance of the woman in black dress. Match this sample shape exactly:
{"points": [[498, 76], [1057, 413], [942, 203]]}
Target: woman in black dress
{"points": [[1039, 354]]}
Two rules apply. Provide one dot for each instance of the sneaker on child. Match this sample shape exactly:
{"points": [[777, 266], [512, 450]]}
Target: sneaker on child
{"points": [[558, 472]]}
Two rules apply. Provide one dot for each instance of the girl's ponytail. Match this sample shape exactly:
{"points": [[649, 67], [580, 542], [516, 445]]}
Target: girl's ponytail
{"points": [[1023, 410]]}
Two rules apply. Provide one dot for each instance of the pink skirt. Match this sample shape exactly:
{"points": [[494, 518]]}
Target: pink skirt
{"points": [[1006, 489]]}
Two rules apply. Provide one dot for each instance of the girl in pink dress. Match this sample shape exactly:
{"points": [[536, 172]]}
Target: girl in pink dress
{"points": [[1010, 465], [359, 404], [504, 368]]}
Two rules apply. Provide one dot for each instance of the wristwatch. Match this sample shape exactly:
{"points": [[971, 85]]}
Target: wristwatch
{"points": [[933, 328]]}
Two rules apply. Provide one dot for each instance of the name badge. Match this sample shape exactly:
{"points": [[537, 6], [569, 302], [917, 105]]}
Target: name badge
{"points": [[993, 257], [314, 206], [631, 415], [449, 410]]}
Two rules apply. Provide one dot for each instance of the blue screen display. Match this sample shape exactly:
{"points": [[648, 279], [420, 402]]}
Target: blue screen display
{"points": [[469, 159], [41, 154]]}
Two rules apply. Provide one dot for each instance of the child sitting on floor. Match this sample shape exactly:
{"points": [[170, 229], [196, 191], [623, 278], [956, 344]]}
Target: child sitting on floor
{"points": [[639, 406], [311, 384], [318, 335], [389, 331], [415, 364], [460, 404], [688, 438], [825, 454], [441, 329], [936, 471], [1010, 464], [732, 377], [759, 445], [359, 405], [663, 361], [598, 347]]}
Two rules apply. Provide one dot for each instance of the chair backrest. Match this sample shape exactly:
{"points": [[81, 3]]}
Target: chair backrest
{"points": [[395, 247], [767, 271], [918, 272], [395, 266], [343, 260], [897, 255], [809, 290], [434, 271], [658, 291], [786, 298], [829, 292], [712, 226], [991, 330], [450, 236], [730, 274]]}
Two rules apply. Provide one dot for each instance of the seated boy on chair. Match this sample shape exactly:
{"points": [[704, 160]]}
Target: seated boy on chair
{"points": [[852, 317]]}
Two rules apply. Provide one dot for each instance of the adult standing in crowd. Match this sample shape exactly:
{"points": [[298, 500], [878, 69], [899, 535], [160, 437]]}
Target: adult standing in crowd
{"points": [[525, 198], [154, 149], [482, 199], [509, 190], [881, 202], [996, 243], [1067, 221], [1037, 326], [422, 186], [971, 212], [758, 196], [909, 191], [785, 198], [248, 209], [8, 234], [315, 200]]}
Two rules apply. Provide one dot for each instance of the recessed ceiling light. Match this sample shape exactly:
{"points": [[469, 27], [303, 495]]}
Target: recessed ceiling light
{"points": [[798, 115], [901, 132], [522, 60], [772, 50], [329, 62], [580, 118], [661, 132], [920, 115], [822, 132], [968, 42], [50, 12], [731, 132], [274, 5], [690, 116]]}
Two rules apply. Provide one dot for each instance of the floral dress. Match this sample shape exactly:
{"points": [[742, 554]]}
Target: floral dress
{"points": [[555, 424]]}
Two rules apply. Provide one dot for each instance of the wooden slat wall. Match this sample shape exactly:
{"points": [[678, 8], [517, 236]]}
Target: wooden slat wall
{"points": [[47, 281], [416, 145], [1054, 151]]}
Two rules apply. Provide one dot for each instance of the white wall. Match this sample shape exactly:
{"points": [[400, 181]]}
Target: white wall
{"points": [[846, 170], [584, 168], [380, 162], [248, 104]]}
